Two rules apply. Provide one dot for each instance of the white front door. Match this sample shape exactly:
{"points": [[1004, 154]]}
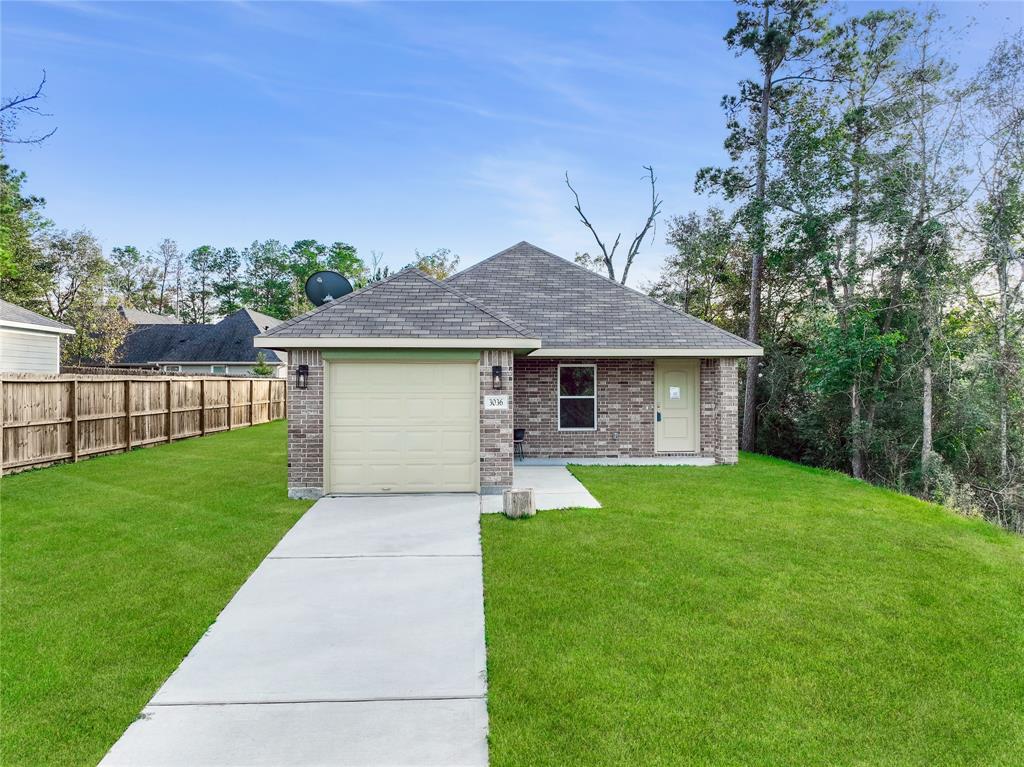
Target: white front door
{"points": [[402, 427], [676, 402]]}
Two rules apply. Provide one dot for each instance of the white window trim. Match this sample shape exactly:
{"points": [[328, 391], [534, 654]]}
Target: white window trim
{"points": [[559, 397], [172, 368], [213, 370]]}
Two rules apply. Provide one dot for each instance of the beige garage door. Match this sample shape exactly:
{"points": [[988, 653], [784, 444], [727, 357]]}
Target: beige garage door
{"points": [[403, 427]]}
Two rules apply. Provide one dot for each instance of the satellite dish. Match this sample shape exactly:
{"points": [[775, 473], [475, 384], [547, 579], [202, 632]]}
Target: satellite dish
{"points": [[322, 287]]}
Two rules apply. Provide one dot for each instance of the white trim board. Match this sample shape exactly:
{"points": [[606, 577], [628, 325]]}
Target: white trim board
{"points": [[36, 328], [645, 352], [314, 342]]}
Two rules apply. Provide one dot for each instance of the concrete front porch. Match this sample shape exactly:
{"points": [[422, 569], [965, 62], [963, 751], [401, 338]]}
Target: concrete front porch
{"points": [[554, 487], [665, 460]]}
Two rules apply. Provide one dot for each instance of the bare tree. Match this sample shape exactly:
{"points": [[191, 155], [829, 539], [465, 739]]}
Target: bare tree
{"points": [[13, 108], [607, 256]]}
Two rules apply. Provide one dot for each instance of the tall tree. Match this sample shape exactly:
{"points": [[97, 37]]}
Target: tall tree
{"points": [[77, 295], [932, 181], [133, 277], [22, 276], [996, 107], [866, 103], [344, 259], [268, 280], [227, 283], [704, 274], [199, 300], [167, 260], [783, 36], [440, 264]]}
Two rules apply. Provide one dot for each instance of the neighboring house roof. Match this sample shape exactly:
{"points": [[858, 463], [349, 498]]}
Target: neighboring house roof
{"points": [[568, 306], [139, 317], [14, 316], [408, 304], [148, 343], [228, 341]]}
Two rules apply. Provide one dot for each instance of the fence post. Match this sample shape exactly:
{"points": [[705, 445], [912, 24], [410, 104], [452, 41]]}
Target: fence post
{"points": [[74, 420], [127, 414], [170, 416], [252, 417], [229, 403], [202, 407], [3, 418]]}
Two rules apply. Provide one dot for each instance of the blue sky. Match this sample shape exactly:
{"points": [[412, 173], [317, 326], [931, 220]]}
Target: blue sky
{"points": [[390, 126]]}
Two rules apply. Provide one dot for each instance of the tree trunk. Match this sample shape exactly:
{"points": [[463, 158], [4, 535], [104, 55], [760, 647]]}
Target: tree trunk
{"points": [[856, 424], [925, 269], [926, 421], [856, 454], [1003, 364], [749, 436]]}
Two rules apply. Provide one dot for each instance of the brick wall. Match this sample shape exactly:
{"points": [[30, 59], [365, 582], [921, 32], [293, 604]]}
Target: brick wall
{"points": [[709, 386], [306, 427], [496, 425], [728, 411], [625, 409], [719, 409], [625, 415]]}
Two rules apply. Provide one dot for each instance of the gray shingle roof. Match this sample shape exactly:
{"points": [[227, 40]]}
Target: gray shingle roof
{"points": [[13, 313], [139, 317], [408, 304], [146, 344], [566, 305], [230, 340]]}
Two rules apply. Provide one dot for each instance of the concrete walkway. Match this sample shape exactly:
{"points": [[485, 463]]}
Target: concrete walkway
{"points": [[358, 641], [554, 487]]}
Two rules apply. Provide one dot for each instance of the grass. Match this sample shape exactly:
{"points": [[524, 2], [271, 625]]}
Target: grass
{"points": [[759, 614], [112, 569]]}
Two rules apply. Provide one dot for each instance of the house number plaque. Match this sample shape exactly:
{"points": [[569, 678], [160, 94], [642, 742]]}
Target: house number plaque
{"points": [[496, 402]]}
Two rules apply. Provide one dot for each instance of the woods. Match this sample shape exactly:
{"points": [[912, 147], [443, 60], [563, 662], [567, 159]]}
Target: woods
{"points": [[875, 233]]}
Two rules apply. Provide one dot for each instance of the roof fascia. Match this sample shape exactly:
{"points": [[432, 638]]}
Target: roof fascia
{"points": [[316, 342], [755, 351], [36, 328]]}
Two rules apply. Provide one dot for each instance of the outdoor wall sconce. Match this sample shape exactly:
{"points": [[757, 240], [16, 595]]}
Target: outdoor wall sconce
{"points": [[301, 376], [496, 376]]}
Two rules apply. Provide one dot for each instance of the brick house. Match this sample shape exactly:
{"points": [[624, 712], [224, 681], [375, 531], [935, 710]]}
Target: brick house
{"points": [[414, 385]]}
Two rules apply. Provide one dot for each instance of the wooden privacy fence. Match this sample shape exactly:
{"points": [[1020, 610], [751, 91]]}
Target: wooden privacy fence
{"points": [[57, 418]]}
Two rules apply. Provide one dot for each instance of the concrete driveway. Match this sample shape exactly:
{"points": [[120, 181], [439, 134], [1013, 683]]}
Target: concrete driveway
{"points": [[358, 641]]}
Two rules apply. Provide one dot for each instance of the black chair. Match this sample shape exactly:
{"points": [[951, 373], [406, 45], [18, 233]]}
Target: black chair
{"points": [[518, 438]]}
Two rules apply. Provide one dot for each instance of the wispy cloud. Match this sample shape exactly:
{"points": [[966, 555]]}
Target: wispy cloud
{"points": [[527, 185]]}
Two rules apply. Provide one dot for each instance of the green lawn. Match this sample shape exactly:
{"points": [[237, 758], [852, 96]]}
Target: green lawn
{"points": [[112, 569], [760, 614]]}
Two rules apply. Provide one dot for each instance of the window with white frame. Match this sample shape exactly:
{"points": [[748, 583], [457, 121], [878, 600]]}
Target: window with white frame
{"points": [[218, 369], [172, 368], [577, 397]]}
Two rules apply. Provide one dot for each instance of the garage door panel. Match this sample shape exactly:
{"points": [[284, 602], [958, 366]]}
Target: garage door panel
{"points": [[350, 443], [458, 407], [452, 441], [403, 427], [423, 442], [454, 378], [421, 408]]}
